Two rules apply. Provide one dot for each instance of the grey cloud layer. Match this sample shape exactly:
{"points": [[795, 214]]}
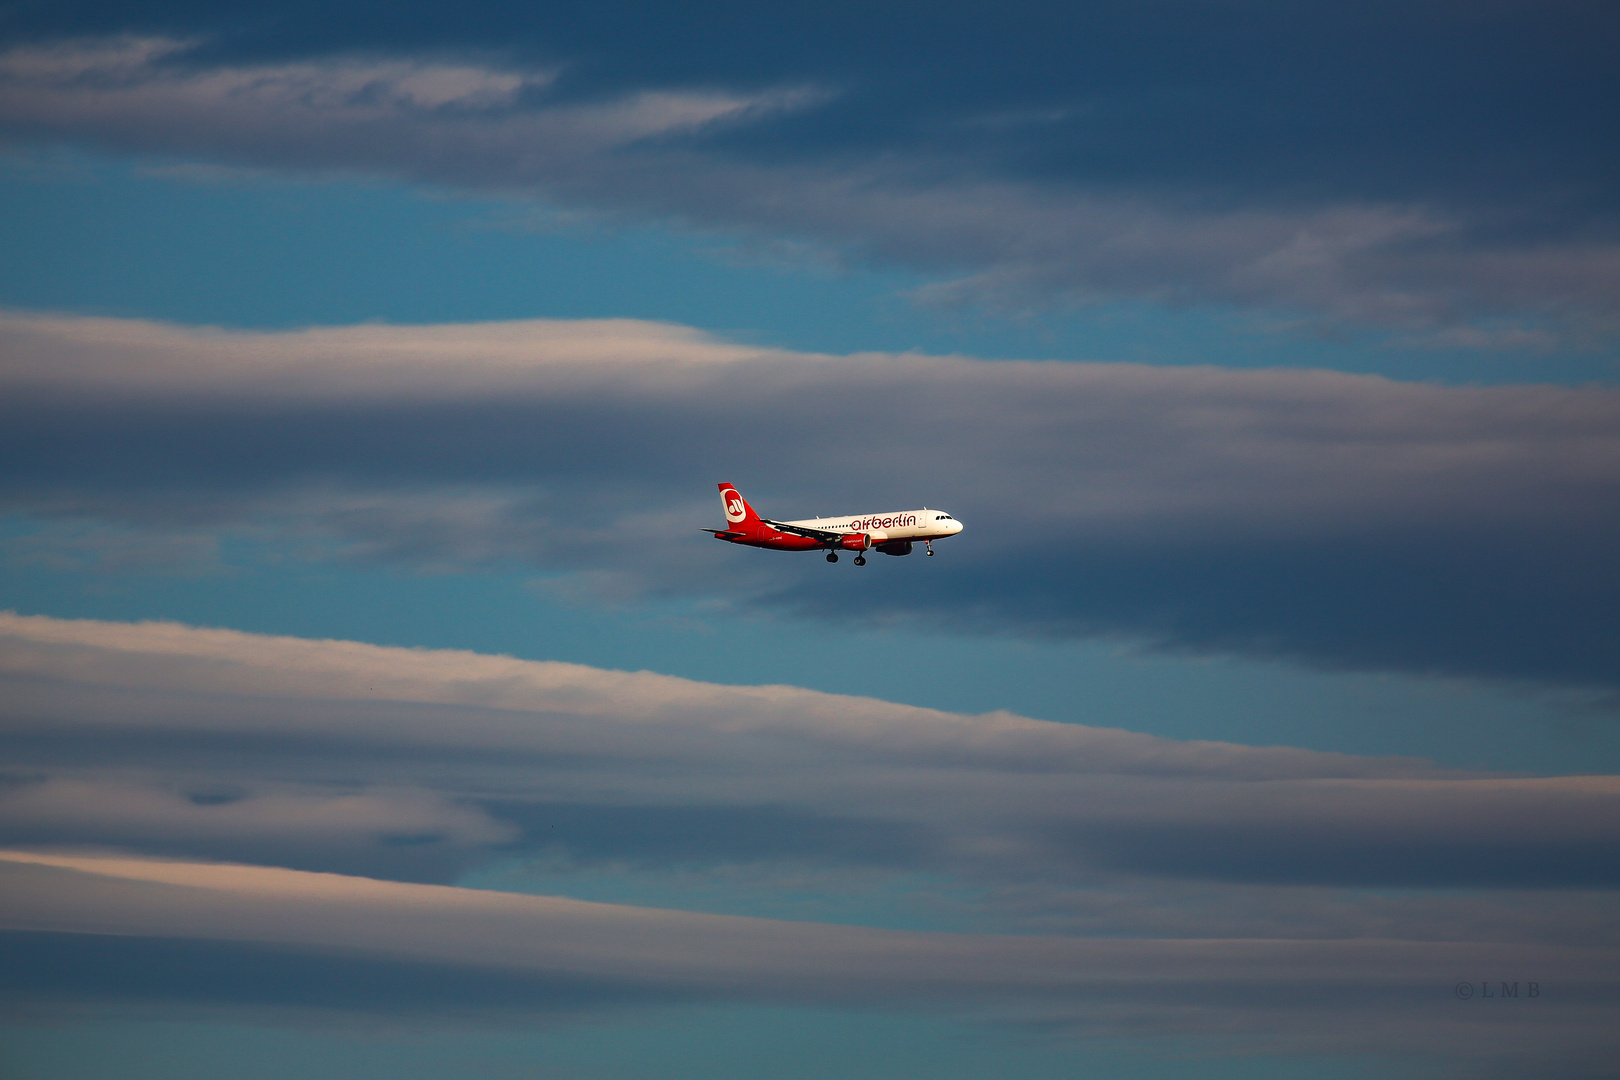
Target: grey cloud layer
{"points": [[1220, 888], [1342, 520], [714, 159], [533, 953], [158, 734], [724, 954]]}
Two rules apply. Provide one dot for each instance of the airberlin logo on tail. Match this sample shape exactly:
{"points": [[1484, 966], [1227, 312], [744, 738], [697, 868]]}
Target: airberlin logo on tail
{"points": [[736, 511]]}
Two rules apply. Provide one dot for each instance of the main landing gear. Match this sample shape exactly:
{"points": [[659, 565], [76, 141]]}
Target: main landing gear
{"points": [[832, 556], [929, 544], [860, 560]]}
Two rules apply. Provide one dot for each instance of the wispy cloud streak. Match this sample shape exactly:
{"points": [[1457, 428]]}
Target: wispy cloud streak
{"points": [[536, 954], [476, 753], [1187, 889], [1342, 520], [1009, 237]]}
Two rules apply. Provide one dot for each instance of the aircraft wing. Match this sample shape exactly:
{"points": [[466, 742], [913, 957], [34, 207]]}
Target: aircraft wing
{"points": [[799, 530]]}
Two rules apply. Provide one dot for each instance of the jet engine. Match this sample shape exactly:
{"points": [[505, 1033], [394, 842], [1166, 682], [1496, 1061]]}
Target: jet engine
{"points": [[895, 547]]}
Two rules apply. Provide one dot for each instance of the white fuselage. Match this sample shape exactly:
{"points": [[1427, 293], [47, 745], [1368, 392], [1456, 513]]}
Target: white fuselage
{"points": [[922, 524]]}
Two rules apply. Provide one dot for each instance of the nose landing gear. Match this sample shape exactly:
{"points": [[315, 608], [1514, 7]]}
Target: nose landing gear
{"points": [[929, 544]]}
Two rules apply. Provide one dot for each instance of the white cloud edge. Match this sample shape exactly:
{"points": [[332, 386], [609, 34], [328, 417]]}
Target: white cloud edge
{"points": [[226, 901], [473, 124]]}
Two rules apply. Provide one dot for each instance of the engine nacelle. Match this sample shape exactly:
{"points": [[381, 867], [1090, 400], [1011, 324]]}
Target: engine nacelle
{"points": [[895, 547], [857, 542]]}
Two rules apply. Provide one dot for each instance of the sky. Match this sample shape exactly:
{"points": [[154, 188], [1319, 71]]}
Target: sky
{"points": [[373, 704]]}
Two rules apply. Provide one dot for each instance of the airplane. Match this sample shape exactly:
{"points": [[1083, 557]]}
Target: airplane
{"points": [[892, 533]]}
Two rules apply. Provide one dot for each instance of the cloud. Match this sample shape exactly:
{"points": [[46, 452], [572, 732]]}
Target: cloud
{"points": [[523, 954], [1054, 200], [1338, 520], [377, 830], [1302, 901], [178, 739], [313, 108]]}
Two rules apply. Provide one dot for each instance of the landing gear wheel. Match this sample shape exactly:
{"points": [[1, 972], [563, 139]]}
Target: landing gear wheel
{"points": [[832, 556], [930, 548], [860, 560]]}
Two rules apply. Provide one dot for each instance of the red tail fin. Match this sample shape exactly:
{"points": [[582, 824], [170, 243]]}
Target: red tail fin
{"points": [[740, 517]]}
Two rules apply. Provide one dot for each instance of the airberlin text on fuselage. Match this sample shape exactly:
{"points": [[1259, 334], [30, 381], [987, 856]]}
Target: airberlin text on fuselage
{"points": [[899, 521]]}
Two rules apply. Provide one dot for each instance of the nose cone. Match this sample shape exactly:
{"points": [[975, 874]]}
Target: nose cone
{"points": [[956, 526]]}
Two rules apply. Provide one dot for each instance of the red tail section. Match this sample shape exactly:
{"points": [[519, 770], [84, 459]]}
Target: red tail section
{"points": [[740, 517]]}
